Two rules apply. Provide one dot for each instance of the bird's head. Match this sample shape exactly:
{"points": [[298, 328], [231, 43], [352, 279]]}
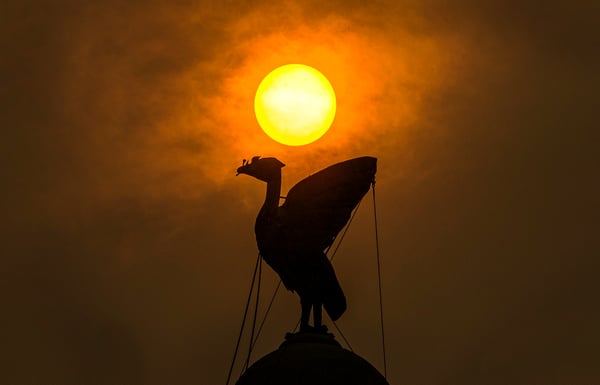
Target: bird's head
{"points": [[264, 169]]}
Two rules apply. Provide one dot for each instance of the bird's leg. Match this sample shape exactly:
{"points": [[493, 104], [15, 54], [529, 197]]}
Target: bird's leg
{"points": [[306, 305], [317, 316]]}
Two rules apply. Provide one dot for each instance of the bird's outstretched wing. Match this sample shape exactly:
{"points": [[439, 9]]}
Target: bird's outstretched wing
{"points": [[318, 207]]}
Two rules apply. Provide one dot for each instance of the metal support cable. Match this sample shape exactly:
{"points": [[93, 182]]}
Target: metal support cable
{"points": [[267, 312], [237, 345], [343, 336], [344, 233], [251, 344], [379, 284]]}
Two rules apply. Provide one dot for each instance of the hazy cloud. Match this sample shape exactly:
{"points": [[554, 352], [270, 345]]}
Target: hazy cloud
{"points": [[127, 240]]}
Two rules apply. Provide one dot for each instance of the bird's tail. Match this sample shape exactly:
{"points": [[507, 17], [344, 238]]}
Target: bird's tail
{"points": [[334, 300], [335, 305]]}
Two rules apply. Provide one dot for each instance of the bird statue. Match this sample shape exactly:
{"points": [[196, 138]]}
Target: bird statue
{"points": [[292, 238]]}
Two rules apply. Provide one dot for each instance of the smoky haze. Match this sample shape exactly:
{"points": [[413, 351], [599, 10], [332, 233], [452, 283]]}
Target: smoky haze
{"points": [[127, 241]]}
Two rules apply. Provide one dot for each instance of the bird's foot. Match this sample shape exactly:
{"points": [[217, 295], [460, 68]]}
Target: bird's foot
{"points": [[321, 329]]}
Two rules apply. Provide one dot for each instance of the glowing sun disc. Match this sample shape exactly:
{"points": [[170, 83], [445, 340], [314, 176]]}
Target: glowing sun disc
{"points": [[295, 104]]}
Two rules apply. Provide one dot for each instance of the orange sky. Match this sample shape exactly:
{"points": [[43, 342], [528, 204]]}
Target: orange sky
{"points": [[128, 241]]}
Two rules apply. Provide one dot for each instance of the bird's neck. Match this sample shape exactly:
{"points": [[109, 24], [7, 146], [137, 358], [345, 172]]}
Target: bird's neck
{"points": [[273, 193]]}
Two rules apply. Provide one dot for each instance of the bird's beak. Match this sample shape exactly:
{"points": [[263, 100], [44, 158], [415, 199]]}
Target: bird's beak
{"points": [[242, 170]]}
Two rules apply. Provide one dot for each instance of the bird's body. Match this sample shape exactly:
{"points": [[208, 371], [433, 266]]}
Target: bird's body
{"points": [[292, 237]]}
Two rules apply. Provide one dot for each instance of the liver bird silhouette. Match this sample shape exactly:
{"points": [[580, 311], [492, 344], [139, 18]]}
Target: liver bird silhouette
{"points": [[292, 237]]}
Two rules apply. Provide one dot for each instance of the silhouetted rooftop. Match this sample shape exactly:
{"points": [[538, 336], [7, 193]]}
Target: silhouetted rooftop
{"points": [[311, 358]]}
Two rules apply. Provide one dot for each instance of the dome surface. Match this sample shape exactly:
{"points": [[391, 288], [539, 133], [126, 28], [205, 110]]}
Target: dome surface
{"points": [[311, 358]]}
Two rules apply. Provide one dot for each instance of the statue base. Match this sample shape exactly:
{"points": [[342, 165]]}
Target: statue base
{"points": [[308, 358]]}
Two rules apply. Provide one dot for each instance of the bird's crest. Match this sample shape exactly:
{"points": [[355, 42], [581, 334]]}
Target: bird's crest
{"points": [[260, 168]]}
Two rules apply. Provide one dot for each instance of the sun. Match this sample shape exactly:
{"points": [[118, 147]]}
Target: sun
{"points": [[295, 104]]}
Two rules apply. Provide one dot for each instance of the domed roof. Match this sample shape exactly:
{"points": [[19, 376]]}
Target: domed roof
{"points": [[311, 358]]}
